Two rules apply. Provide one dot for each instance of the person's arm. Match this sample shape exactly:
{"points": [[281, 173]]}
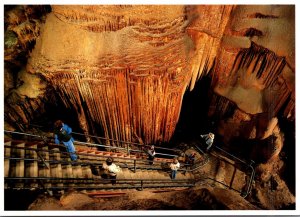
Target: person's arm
{"points": [[151, 153], [67, 128], [204, 135], [56, 140], [104, 166]]}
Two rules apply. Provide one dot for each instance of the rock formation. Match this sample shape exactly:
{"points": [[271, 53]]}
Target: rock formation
{"points": [[126, 68]]}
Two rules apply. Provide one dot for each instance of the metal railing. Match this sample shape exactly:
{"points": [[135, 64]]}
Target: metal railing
{"points": [[129, 183], [194, 167], [112, 140], [86, 162], [100, 145], [248, 165]]}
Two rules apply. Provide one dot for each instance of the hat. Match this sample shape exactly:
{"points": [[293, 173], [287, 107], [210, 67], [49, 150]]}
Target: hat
{"points": [[109, 160], [58, 124]]}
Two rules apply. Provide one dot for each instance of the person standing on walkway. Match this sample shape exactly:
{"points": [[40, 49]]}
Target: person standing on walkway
{"points": [[175, 165], [62, 133], [112, 169], [190, 158], [209, 140], [151, 154]]}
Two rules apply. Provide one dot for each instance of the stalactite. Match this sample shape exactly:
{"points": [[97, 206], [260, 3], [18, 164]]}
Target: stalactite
{"points": [[254, 68], [134, 91]]}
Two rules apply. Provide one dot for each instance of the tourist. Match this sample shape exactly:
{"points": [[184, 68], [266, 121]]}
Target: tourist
{"points": [[151, 153], [62, 133], [174, 167], [112, 170], [190, 158], [209, 139]]}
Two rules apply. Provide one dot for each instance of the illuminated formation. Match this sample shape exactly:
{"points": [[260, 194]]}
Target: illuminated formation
{"points": [[128, 65]]}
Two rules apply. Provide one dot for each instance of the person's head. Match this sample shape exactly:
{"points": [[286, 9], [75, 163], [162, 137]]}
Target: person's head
{"points": [[152, 147], [109, 161], [211, 135], [58, 124], [194, 154], [175, 161]]}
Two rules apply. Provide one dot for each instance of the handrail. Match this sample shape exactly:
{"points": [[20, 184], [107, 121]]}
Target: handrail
{"points": [[98, 179], [186, 170], [126, 142], [73, 162], [198, 180], [244, 194], [230, 154], [113, 140], [27, 134], [89, 144], [131, 183]]}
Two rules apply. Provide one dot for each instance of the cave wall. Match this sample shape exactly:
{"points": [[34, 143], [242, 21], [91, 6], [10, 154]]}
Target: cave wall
{"points": [[24, 93], [254, 93]]}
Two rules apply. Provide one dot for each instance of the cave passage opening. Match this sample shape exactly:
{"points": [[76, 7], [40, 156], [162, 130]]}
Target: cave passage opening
{"points": [[193, 119], [55, 109]]}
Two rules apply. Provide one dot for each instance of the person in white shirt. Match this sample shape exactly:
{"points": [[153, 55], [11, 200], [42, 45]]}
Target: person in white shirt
{"points": [[112, 169], [175, 165], [209, 139]]}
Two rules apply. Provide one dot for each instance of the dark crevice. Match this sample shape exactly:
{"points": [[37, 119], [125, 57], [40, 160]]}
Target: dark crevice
{"points": [[193, 118], [262, 16], [253, 32]]}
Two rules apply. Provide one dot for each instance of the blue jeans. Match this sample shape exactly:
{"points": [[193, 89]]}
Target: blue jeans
{"points": [[71, 149], [173, 174]]}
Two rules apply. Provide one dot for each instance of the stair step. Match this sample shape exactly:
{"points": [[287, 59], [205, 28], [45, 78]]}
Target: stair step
{"points": [[44, 171], [7, 153], [75, 170], [56, 168], [31, 167]]}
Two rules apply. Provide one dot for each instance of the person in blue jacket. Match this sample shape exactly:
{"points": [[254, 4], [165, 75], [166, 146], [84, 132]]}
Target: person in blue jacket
{"points": [[190, 158], [62, 133]]}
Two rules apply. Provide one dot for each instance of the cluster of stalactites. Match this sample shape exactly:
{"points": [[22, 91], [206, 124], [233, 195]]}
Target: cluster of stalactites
{"points": [[134, 91], [260, 68], [128, 108]]}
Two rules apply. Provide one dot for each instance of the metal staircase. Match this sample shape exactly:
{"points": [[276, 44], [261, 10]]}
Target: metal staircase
{"points": [[39, 164], [36, 165]]}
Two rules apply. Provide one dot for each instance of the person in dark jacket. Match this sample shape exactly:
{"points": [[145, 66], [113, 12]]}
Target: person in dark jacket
{"points": [[190, 158], [62, 133], [151, 154]]}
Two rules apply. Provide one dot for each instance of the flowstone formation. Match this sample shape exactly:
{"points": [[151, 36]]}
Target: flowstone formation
{"points": [[125, 71], [127, 68]]}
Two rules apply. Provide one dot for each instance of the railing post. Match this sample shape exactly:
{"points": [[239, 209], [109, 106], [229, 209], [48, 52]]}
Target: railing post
{"points": [[134, 165], [40, 156]]}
